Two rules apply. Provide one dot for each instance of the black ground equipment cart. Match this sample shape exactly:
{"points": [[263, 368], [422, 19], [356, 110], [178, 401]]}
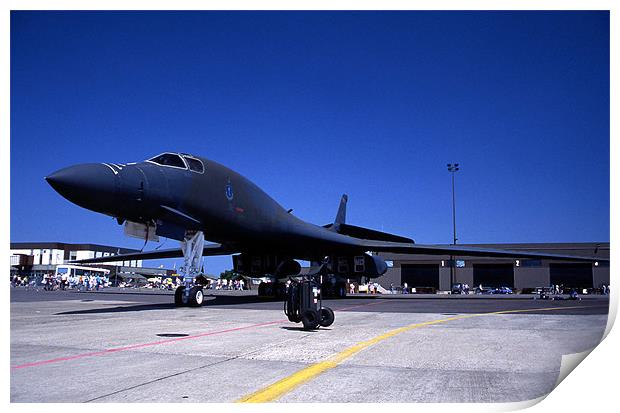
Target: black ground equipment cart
{"points": [[303, 304]]}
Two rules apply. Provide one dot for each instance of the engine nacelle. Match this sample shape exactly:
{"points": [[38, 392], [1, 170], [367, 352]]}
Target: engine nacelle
{"points": [[288, 267], [379, 265], [261, 265], [358, 265], [347, 266]]}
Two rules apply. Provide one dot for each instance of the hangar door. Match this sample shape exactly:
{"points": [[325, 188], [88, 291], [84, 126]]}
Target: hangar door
{"points": [[571, 275], [420, 275], [494, 275]]}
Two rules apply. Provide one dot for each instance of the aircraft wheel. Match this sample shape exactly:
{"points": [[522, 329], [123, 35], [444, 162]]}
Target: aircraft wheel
{"points": [[178, 296], [310, 319], [196, 296], [326, 317]]}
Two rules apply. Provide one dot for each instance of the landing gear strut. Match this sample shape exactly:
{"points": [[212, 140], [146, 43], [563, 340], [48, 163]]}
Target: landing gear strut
{"points": [[304, 304], [190, 294]]}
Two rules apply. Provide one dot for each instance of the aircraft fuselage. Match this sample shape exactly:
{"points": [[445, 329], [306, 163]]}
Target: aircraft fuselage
{"points": [[225, 205]]}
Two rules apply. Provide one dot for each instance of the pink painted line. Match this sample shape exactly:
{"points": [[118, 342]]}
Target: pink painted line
{"points": [[157, 343], [142, 345]]}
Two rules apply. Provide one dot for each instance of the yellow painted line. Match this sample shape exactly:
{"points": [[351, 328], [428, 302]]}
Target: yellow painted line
{"points": [[281, 387]]}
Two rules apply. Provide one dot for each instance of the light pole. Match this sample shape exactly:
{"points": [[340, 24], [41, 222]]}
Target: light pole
{"points": [[452, 168]]}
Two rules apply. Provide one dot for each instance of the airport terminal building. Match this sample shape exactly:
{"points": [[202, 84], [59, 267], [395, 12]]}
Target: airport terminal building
{"points": [[38, 258], [54, 253], [428, 272]]}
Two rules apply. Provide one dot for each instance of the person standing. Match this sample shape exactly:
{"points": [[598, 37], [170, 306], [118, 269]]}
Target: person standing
{"points": [[64, 279]]}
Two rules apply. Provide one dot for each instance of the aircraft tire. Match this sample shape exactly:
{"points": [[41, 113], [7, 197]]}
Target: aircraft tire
{"points": [[310, 319], [196, 296], [326, 317], [178, 296]]}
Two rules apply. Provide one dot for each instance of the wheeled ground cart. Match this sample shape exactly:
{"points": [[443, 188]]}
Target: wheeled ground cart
{"points": [[303, 304]]}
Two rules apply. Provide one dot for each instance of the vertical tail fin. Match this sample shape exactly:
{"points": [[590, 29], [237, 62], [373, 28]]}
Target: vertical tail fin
{"points": [[341, 216]]}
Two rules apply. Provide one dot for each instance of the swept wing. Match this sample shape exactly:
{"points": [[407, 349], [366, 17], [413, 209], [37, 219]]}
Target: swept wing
{"points": [[209, 250], [408, 248]]}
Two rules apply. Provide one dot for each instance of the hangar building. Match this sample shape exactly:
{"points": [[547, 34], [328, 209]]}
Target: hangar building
{"points": [[433, 273]]}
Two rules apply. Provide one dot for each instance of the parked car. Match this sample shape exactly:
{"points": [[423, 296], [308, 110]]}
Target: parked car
{"points": [[457, 288], [543, 293]]}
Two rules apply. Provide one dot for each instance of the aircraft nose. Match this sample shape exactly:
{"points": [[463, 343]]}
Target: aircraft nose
{"points": [[92, 186]]}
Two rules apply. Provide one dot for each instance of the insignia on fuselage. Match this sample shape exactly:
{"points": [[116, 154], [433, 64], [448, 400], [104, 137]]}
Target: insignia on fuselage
{"points": [[229, 191]]}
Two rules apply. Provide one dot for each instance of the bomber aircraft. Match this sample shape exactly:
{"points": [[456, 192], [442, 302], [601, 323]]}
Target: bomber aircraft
{"points": [[190, 198]]}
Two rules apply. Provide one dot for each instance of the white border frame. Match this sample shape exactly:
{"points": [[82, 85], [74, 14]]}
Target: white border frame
{"points": [[595, 377]]}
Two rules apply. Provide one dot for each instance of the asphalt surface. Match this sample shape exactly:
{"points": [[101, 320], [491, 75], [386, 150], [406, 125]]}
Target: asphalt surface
{"points": [[135, 346], [145, 300]]}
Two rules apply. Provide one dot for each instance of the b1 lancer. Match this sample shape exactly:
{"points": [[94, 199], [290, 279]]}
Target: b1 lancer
{"points": [[189, 198]]}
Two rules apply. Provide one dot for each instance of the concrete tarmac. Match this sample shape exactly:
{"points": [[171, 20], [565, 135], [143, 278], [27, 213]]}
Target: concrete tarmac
{"points": [[129, 346]]}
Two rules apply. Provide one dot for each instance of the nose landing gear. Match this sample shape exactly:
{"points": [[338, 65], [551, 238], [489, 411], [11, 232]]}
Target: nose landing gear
{"points": [[303, 304], [190, 294]]}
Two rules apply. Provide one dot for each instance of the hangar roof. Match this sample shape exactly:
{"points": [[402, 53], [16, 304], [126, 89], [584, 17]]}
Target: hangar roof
{"points": [[587, 249]]}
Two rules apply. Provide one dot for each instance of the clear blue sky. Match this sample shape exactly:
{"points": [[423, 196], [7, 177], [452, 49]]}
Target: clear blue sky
{"points": [[310, 105]]}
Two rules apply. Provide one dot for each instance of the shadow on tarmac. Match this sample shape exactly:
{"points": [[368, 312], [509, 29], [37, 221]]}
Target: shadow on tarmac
{"points": [[120, 309], [303, 330], [210, 301]]}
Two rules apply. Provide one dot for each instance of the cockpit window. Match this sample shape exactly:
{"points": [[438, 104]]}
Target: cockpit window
{"points": [[195, 164], [169, 159]]}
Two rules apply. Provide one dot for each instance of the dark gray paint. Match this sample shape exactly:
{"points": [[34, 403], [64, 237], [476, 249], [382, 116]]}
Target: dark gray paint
{"points": [[230, 210]]}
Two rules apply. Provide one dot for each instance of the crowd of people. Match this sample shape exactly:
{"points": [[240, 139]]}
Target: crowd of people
{"points": [[95, 282], [170, 283], [51, 282], [156, 282], [17, 281], [224, 284]]}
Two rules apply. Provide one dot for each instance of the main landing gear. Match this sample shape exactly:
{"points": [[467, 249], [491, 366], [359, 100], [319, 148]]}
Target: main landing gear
{"points": [[195, 297], [303, 304], [190, 293]]}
